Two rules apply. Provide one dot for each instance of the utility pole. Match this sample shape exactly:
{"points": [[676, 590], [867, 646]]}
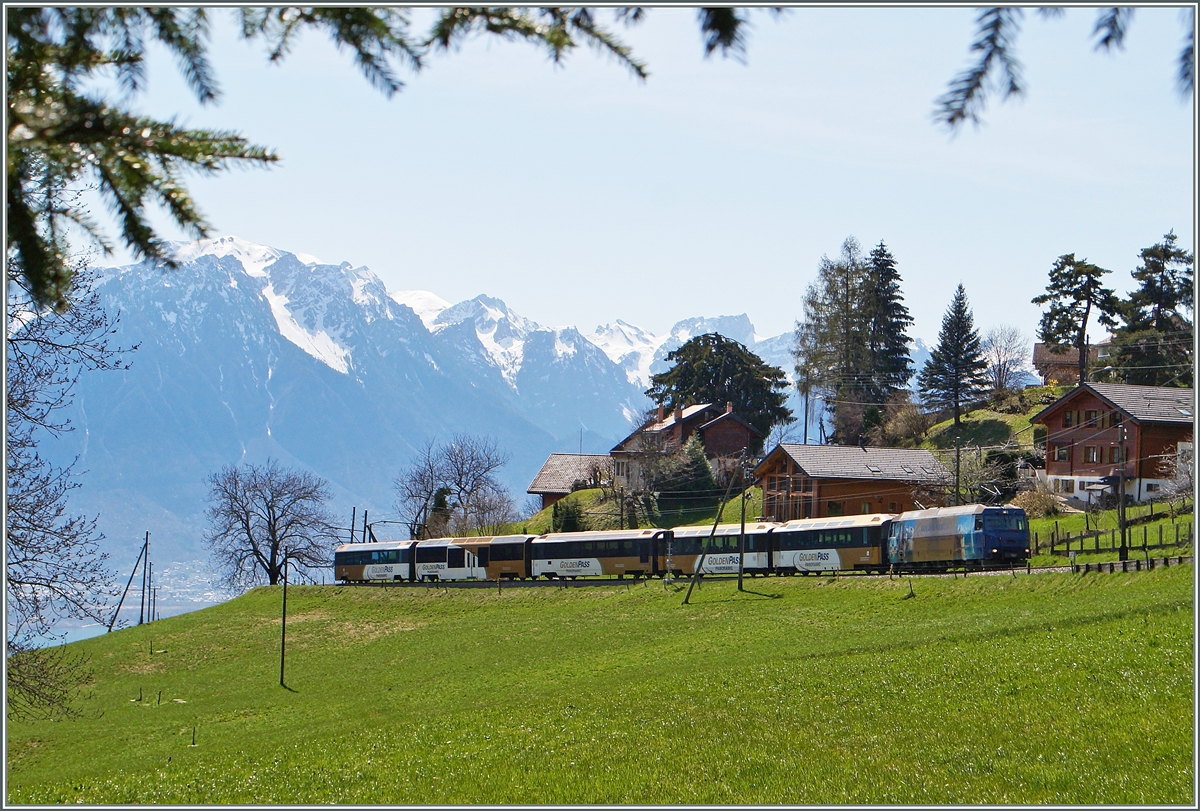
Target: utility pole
{"points": [[283, 619], [742, 531], [129, 583], [957, 458], [353, 521], [1124, 553], [142, 606]]}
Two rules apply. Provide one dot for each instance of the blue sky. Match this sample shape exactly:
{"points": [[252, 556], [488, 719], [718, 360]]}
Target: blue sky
{"points": [[580, 195]]}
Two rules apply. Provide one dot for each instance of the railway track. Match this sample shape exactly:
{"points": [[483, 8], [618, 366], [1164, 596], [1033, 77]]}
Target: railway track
{"points": [[584, 582]]}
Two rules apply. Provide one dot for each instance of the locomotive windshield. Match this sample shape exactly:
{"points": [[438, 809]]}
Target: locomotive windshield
{"points": [[1004, 523]]}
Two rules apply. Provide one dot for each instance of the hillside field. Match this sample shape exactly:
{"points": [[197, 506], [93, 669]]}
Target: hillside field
{"points": [[1044, 688]]}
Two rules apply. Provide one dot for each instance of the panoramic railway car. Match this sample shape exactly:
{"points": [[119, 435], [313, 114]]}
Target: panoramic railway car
{"points": [[844, 543], [448, 559], [972, 536], [687, 543], [611, 552], [379, 560], [502, 556]]}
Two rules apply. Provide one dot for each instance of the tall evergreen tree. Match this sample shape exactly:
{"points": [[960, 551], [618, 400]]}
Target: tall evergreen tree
{"points": [[1073, 293], [956, 370], [831, 346], [887, 323], [851, 349], [1154, 345], [711, 368]]}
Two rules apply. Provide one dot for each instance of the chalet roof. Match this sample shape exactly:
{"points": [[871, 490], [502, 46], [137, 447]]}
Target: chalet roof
{"points": [[1043, 356], [854, 462], [729, 415], [562, 470], [668, 420], [1142, 403]]}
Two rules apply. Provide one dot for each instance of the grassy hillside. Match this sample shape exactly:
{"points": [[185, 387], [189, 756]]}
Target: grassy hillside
{"points": [[1048, 688], [996, 424]]}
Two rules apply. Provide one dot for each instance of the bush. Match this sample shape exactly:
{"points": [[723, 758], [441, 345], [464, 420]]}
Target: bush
{"points": [[1036, 503]]}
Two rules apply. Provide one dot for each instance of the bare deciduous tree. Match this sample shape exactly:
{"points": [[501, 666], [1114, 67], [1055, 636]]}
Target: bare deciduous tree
{"points": [[259, 514], [453, 486], [1005, 349], [54, 567]]}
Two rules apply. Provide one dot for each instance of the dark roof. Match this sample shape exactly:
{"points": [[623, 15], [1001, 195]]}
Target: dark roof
{"points": [[853, 462], [729, 415], [1142, 403], [562, 470]]}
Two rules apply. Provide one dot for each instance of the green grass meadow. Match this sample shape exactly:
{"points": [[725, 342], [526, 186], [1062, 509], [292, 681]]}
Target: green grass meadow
{"points": [[1044, 688]]}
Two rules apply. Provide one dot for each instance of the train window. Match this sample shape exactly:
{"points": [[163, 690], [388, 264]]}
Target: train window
{"points": [[432, 554], [455, 558], [507, 551], [1004, 523]]}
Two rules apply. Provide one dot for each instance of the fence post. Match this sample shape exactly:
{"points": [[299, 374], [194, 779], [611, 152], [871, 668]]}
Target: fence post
{"points": [[1097, 543], [1160, 536], [1176, 534], [1035, 543]]}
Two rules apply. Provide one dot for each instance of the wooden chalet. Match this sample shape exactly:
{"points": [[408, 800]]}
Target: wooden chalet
{"points": [[1084, 435], [818, 481], [1062, 368], [564, 473], [723, 433]]}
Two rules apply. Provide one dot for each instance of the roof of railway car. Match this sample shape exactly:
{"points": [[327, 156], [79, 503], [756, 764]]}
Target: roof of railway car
{"points": [[962, 509], [373, 545], [723, 529], [601, 535], [867, 520]]}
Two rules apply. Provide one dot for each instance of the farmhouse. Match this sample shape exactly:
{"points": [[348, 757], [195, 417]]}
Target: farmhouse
{"points": [[723, 433], [818, 481], [563, 473], [1087, 428], [1059, 368]]}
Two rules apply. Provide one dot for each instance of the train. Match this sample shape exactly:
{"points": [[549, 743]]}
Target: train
{"points": [[968, 537]]}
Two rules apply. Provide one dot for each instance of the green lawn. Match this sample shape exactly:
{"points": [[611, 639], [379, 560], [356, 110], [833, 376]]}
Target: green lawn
{"points": [[1050, 688]]}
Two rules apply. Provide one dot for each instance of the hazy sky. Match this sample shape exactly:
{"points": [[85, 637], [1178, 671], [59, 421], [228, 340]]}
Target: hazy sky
{"points": [[580, 195]]}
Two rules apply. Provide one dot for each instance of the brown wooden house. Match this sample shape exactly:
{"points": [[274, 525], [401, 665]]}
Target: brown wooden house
{"points": [[817, 481], [723, 433], [1062, 368], [1084, 431], [564, 473]]}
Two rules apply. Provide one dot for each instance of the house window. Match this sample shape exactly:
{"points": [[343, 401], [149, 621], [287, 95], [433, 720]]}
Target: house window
{"points": [[1091, 453], [1064, 485], [1062, 453], [1114, 418], [1114, 455], [1089, 418], [866, 508], [1068, 419], [891, 506], [834, 508], [1151, 487]]}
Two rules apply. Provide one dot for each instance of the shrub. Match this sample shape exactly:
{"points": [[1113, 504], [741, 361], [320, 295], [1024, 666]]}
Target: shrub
{"points": [[1036, 503]]}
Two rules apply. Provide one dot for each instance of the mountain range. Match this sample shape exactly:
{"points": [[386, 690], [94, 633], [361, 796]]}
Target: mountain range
{"points": [[247, 352]]}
